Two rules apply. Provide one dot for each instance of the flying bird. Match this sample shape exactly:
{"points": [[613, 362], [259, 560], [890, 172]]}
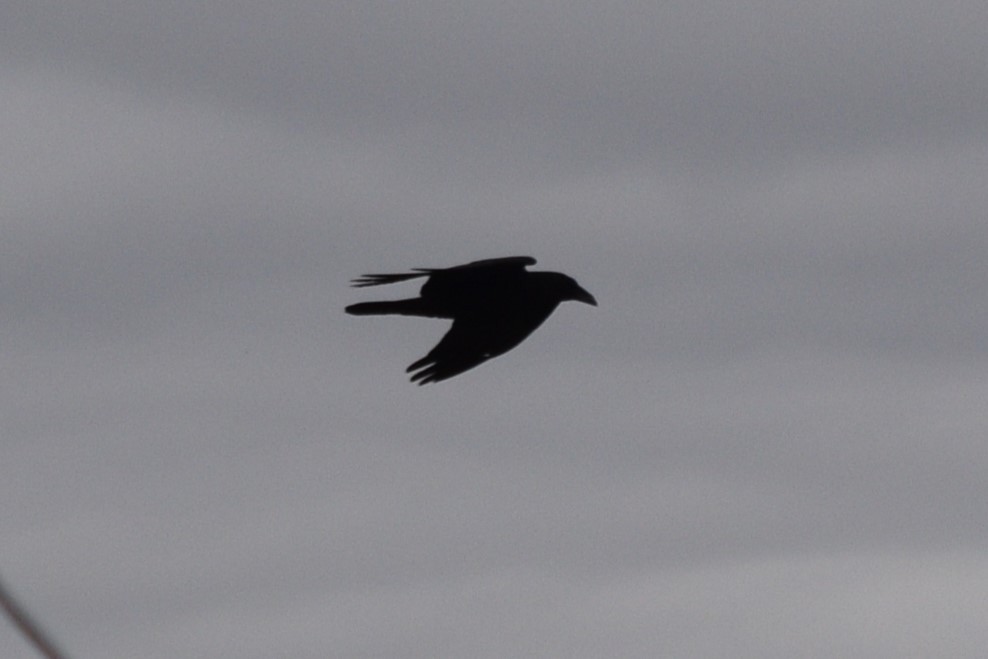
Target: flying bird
{"points": [[494, 305]]}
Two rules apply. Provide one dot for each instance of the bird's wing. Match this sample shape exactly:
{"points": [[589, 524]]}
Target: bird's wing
{"points": [[506, 264], [464, 346], [503, 263], [471, 341], [477, 281], [379, 279]]}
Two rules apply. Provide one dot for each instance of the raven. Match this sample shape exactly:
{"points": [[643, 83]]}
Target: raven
{"points": [[494, 304]]}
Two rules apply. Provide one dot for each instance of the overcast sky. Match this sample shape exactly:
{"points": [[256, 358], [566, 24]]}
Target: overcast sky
{"points": [[768, 441]]}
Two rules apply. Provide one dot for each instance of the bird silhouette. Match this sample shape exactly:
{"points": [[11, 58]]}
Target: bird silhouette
{"points": [[494, 305]]}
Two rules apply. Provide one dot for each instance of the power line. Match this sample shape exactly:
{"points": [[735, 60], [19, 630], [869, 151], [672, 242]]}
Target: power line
{"points": [[31, 630]]}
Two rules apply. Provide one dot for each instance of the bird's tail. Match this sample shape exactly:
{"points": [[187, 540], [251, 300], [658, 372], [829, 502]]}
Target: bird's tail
{"points": [[411, 307]]}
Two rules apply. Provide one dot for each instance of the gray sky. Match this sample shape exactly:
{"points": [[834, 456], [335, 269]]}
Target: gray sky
{"points": [[768, 441]]}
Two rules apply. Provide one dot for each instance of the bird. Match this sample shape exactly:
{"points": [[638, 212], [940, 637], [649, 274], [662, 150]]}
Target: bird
{"points": [[494, 305]]}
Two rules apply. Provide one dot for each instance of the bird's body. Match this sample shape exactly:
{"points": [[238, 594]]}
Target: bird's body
{"points": [[494, 304]]}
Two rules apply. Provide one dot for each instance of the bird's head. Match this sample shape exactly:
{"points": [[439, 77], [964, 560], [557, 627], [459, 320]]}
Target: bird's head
{"points": [[566, 288]]}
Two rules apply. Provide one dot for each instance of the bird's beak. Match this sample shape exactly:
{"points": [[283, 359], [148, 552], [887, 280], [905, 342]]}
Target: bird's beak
{"points": [[583, 296]]}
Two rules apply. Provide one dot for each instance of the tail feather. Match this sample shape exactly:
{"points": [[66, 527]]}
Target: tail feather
{"points": [[412, 307]]}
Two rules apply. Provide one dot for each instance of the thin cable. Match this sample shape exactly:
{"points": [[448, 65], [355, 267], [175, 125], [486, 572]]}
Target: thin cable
{"points": [[28, 627]]}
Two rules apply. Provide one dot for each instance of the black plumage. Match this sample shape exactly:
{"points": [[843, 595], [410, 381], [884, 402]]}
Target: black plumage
{"points": [[494, 305]]}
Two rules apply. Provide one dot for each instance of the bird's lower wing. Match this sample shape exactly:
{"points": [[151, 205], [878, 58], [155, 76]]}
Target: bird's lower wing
{"points": [[466, 345]]}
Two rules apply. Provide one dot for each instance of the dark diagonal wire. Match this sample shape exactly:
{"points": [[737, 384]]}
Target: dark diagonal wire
{"points": [[28, 627]]}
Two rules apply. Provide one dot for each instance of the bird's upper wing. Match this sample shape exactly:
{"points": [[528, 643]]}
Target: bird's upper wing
{"points": [[377, 280], [476, 282], [505, 262], [484, 268]]}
